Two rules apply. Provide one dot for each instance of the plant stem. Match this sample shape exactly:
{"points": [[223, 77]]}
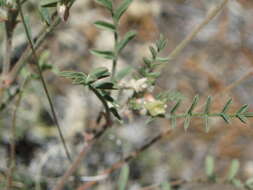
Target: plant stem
{"points": [[195, 31], [116, 38], [44, 82], [183, 115], [9, 99], [12, 162], [126, 159], [10, 24], [40, 39], [107, 109], [60, 184]]}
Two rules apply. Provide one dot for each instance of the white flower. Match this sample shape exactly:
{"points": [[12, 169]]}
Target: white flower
{"points": [[138, 85]]}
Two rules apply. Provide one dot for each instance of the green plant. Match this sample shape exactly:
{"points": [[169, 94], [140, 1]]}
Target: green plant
{"points": [[105, 84]]}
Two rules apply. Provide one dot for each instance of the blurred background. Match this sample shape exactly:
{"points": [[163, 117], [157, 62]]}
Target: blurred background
{"points": [[220, 55]]}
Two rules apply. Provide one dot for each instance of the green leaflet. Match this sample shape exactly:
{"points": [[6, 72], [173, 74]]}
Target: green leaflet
{"points": [[129, 36], [121, 9], [103, 54], [105, 25], [49, 3], [105, 3]]}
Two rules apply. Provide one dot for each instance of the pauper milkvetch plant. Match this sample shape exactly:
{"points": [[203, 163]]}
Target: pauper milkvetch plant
{"points": [[145, 80]]}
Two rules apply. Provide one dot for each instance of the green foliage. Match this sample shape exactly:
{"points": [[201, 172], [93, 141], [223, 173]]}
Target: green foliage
{"points": [[121, 9], [104, 54], [123, 73], [151, 63], [106, 3], [249, 183], [241, 113], [103, 83], [45, 16], [165, 186], [49, 3], [233, 170], [28, 25], [128, 36], [209, 168], [99, 87], [124, 174], [105, 25]]}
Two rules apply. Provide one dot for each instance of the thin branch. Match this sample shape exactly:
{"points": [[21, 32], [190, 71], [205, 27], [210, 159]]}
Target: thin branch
{"points": [[43, 34], [60, 184], [28, 52], [4, 104], [43, 82], [9, 29], [128, 158], [12, 162], [10, 24], [195, 31], [107, 109], [116, 38]]}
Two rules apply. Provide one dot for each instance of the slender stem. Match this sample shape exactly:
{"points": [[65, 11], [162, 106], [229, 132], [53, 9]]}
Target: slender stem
{"points": [[43, 82], [87, 145], [9, 29], [10, 24], [10, 98], [12, 162], [28, 52], [230, 115], [126, 159], [8, 46], [60, 184], [115, 59], [195, 31], [40, 39], [116, 38], [107, 109]]}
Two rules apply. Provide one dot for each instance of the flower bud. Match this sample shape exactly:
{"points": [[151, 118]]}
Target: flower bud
{"points": [[63, 12]]}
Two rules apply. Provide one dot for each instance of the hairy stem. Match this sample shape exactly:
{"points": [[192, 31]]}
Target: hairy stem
{"points": [[43, 82]]}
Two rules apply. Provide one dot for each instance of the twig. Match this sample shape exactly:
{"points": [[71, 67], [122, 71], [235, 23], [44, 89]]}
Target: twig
{"points": [[60, 184], [9, 29], [10, 24], [107, 109], [43, 82], [195, 31], [12, 162], [40, 39], [116, 37], [10, 98], [128, 158]]}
